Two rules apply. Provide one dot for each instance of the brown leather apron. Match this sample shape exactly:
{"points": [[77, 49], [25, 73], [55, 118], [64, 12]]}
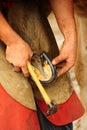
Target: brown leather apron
{"points": [[31, 24], [81, 63]]}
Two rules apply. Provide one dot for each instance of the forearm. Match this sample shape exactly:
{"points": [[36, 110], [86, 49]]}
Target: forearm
{"points": [[63, 10], [7, 34]]}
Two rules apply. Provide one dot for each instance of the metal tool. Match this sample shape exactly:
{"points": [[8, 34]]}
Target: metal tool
{"points": [[52, 107]]}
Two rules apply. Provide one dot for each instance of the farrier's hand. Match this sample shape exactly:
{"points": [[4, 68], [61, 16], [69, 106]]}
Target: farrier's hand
{"points": [[66, 58], [18, 54], [64, 13]]}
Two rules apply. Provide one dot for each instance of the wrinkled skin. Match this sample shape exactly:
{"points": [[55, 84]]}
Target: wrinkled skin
{"points": [[19, 60], [15, 44]]}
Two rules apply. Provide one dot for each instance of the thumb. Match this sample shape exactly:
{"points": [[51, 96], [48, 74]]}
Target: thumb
{"points": [[57, 60]]}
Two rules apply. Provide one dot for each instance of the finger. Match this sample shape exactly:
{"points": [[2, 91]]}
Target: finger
{"points": [[25, 71], [63, 70], [16, 68], [61, 64], [58, 59]]}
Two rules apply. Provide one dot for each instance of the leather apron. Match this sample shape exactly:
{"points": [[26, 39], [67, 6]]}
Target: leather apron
{"points": [[29, 21], [81, 63]]}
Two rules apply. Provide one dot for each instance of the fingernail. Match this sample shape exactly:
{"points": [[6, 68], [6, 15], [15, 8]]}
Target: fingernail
{"points": [[53, 62], [26, 75], [17, 69]]}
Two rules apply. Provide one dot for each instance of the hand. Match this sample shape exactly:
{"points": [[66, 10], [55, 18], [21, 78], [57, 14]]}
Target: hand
{"points": [[66, 58], [18, 54]]}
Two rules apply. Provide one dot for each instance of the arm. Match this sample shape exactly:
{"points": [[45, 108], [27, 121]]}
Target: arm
{"points": [[63, 10], [17, 50]]}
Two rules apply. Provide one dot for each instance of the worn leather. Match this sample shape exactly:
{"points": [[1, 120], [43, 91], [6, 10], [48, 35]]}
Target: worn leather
{"points": [[32, 25], [81, 63], [15, 83]]}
